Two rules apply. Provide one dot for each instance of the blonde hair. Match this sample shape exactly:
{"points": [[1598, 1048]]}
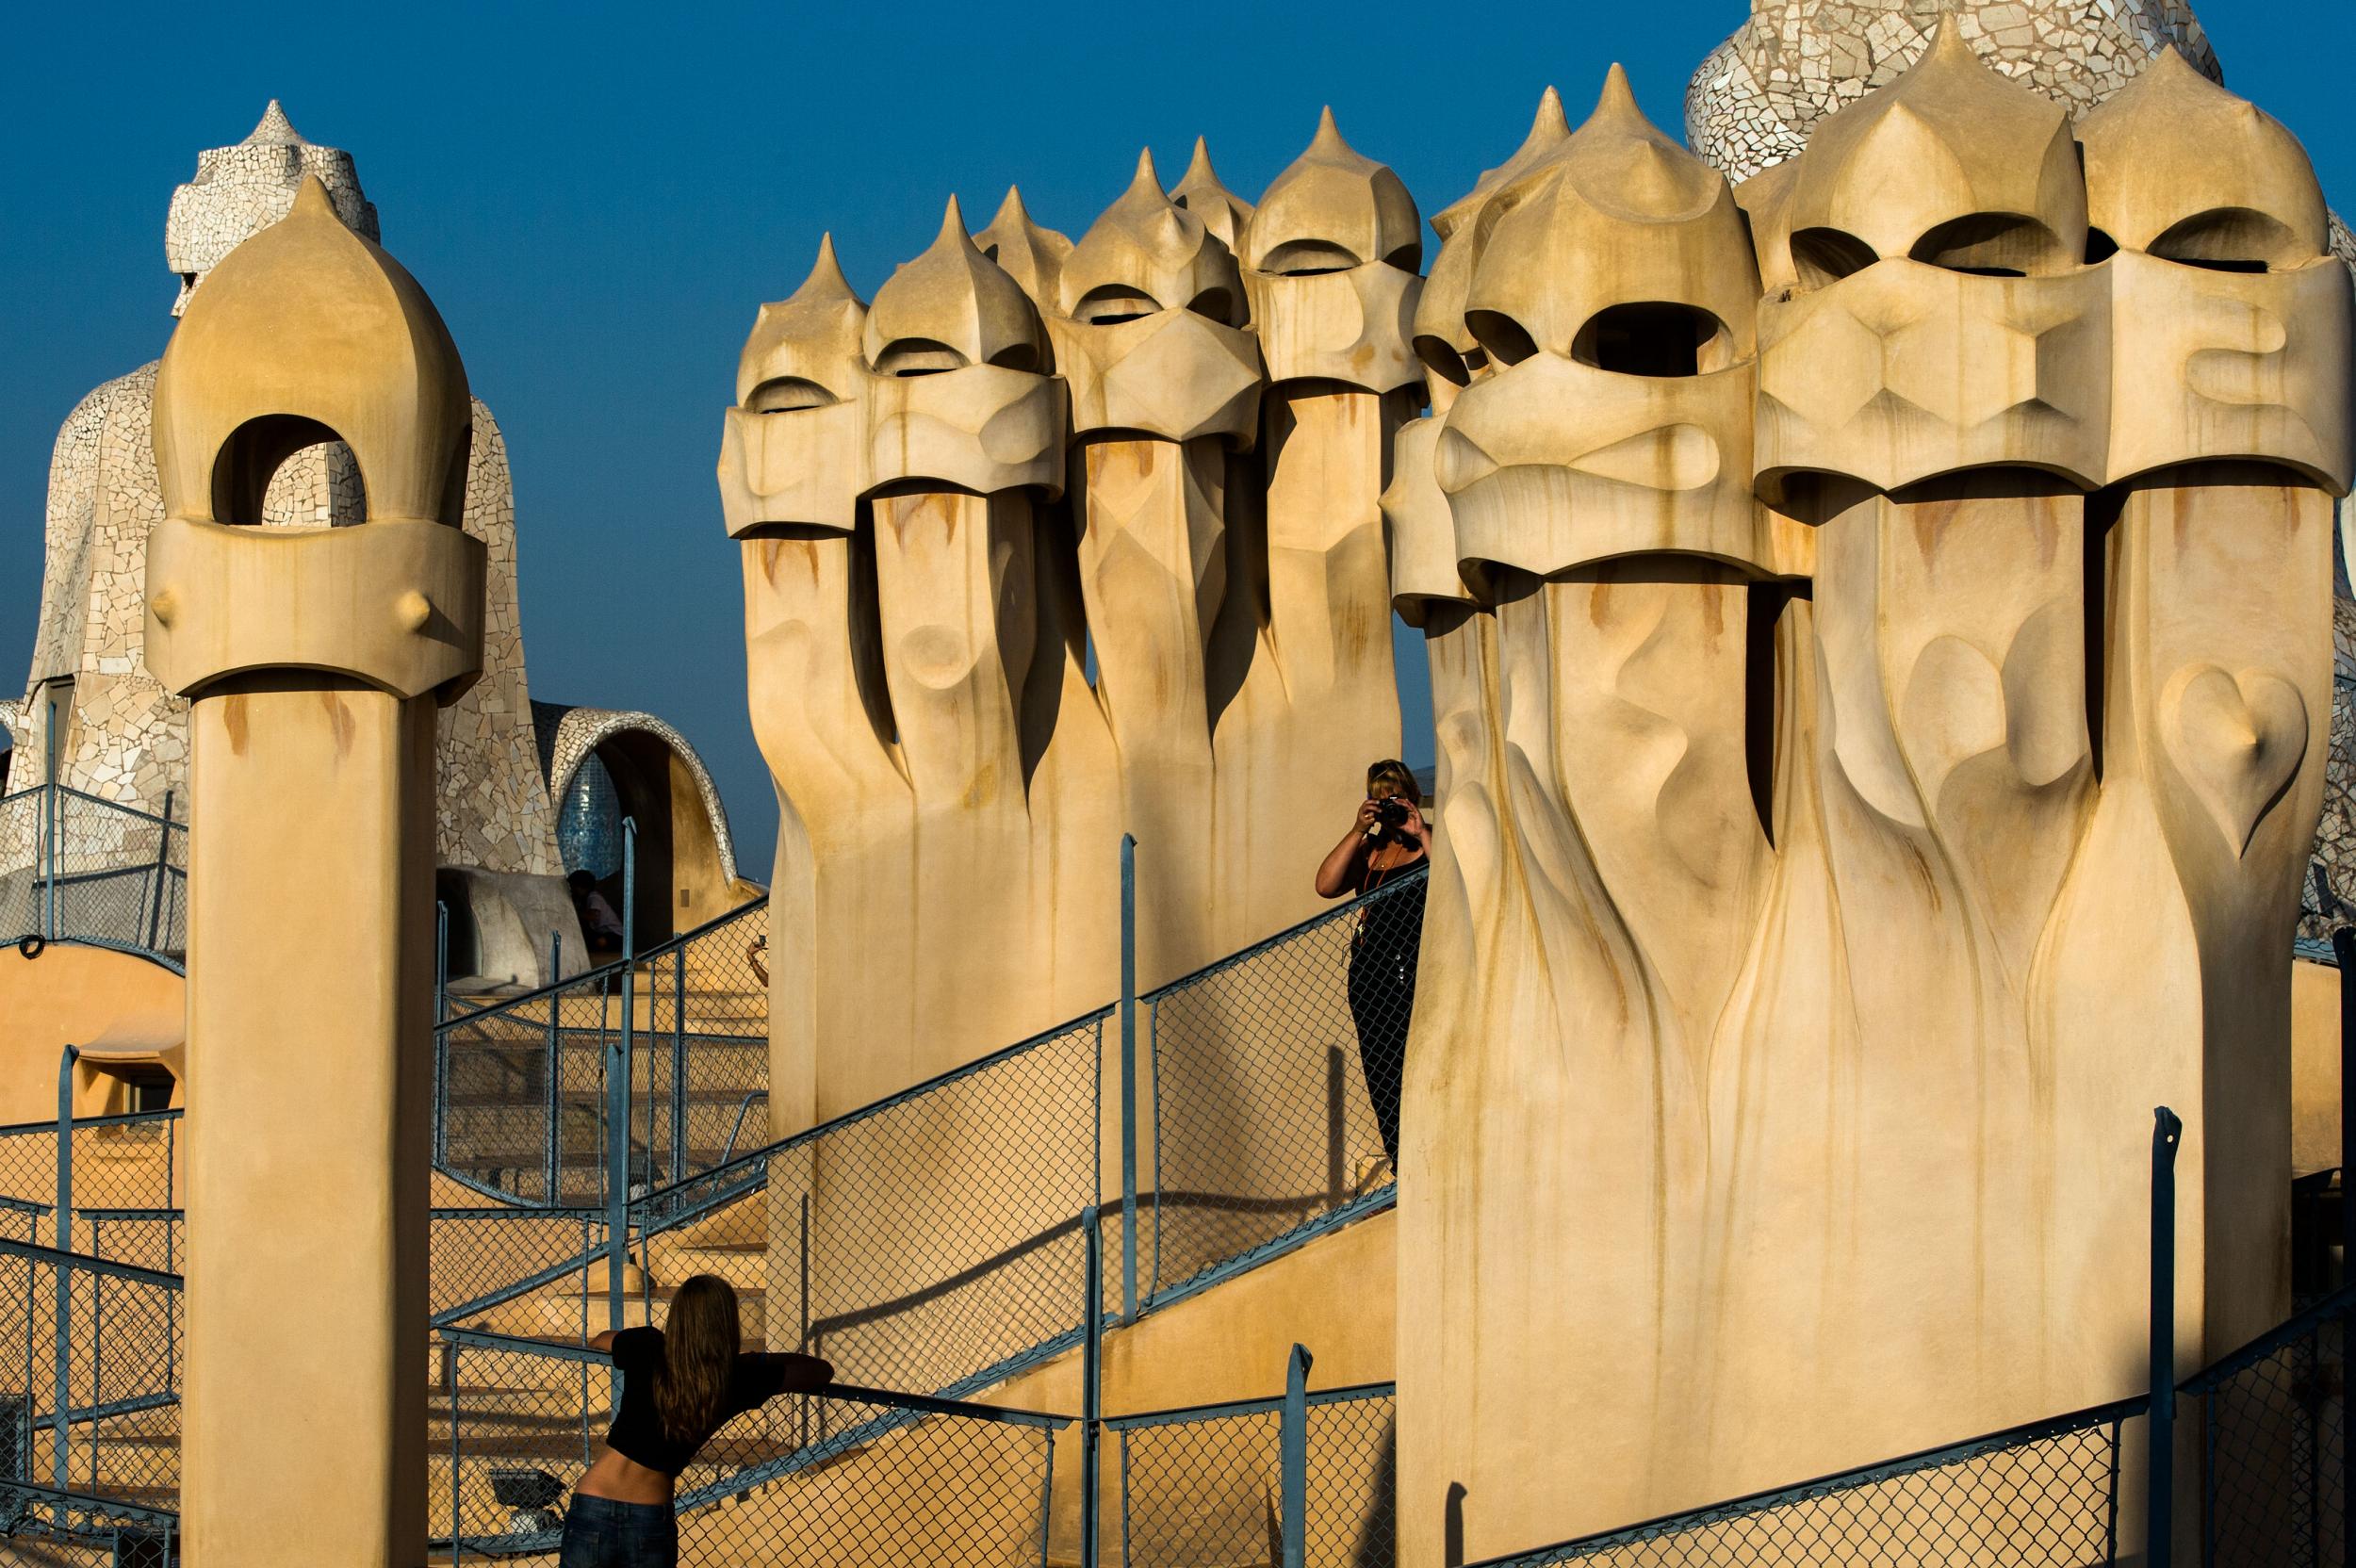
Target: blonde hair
{"points": [[699, 1346], [1391, 777]]}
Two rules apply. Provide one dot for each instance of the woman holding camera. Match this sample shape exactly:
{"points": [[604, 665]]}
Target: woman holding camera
{"points": [[1389, 839]]}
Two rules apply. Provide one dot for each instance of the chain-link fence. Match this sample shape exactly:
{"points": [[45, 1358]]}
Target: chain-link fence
{"points": [[90, 1382], [2330, 894], [1208, 1487], [1351, 1514], [45, 1527], [1275, 1086], [76, 867], [2274, 1441], [532, 1271], [2044, 1495], [848, 1476], [932, 1242], [1200, 1488], [125, 1186], [521, 1101]]}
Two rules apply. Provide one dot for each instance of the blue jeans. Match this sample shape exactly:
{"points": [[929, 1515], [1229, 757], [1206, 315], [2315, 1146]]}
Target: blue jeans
{"points": [[602, 1533]]}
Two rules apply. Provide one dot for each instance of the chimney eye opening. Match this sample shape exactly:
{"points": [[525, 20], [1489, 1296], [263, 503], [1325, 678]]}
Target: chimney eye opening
{"points": [[1654, 338], [918, 356], [1308, 258], [788, 395], [1507, 340], [1114, 303], [2230, 239], [1825, 256], [1442, 360], [1993, 245]]}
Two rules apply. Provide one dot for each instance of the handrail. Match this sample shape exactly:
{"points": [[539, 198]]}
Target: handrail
{"points": [[1097, 1015], [1272, 1404], [88, 1415], [15, 1494], [90, 1264], [123, 1119], [110, 804], [2340, 1303], [2113, 1414], [446, 1320], [1341, 911], [643, 1206], [925, 1404], [728, 1152], [612, 969]]}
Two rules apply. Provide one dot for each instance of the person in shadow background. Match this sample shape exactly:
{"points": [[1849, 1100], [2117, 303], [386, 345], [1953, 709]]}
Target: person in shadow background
{"points": [[598, 923]]}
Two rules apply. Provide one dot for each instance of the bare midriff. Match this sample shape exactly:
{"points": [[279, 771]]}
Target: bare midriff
{"points": [[622, 1479]]}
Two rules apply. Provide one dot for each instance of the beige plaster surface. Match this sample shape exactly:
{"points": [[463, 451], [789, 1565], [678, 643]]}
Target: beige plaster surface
{"points": [[121, 1005], [313, 661], [1052, 542], [1814, 763], [2315, 1067]]}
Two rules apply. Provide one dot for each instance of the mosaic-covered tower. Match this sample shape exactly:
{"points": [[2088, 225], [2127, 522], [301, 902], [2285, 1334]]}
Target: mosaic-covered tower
{"points": [[122, 737]]}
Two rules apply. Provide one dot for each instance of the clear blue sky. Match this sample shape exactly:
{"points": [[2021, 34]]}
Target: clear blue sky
{"points": [[598, 198]]}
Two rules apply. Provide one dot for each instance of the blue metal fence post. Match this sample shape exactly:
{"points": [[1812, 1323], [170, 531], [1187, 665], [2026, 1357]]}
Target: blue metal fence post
{"points": [[1292, 1445], [1092, 1393], [678, 1063], [555, 1068], [2160, 1512], [441, 1040], [163, 874], [62, 1231], [2344, 950], [452, 1350], [617, 1091], [1128, 1078], [49, 822]]}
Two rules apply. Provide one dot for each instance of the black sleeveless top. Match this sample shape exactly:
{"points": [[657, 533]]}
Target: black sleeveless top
{"points": [[637, 1430]]}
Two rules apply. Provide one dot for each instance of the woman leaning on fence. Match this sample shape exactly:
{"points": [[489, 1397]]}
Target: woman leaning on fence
{"points": [[681, 1383], [1387, 839]]}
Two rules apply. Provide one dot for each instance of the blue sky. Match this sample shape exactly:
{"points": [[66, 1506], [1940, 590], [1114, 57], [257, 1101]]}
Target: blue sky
{"points": [[598, 197]]}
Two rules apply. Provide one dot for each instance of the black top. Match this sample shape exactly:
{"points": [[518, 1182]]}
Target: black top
{"points": [[1390, 918], [637, 1430]]}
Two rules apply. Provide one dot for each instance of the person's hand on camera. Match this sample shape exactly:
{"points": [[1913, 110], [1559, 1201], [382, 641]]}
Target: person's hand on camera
{"points": [[1367, 810], [1415, 827]]}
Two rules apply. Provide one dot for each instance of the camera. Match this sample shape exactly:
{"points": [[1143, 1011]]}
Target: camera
{"points": [[1391, 812]]}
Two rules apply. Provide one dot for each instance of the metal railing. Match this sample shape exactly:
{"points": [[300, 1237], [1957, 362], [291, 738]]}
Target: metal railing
{"points": [[119, 1176], [849, 1474], [87, 1533], [1262, 1134], [89, 1443], [1274, 1090], [931, 1240], [1302, 1481], [89, 1379], [528, 1087], [76, 867], [936, 1240], [2274, 1420], [2041, 1496]]}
